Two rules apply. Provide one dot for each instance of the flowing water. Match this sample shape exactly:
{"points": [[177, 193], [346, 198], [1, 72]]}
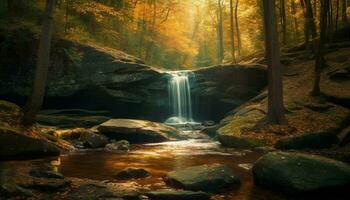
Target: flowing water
{"points": [[180, 100], [159, 159]]}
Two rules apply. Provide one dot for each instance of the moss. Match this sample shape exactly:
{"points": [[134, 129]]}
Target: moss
{"points": [[239, 124]]}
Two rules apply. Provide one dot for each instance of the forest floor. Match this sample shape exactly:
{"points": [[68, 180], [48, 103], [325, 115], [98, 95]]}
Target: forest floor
{"points": [[324, 116]]}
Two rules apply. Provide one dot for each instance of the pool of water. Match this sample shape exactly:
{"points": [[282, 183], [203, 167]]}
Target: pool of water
{"points": [[159, 159]]}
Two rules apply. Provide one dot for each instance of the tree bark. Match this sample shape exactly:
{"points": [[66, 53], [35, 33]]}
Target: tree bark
{"points": [[239, 43], [320, 61], [275, 114], [336, 15], [343, 12], [283, 21], [66, 17], [36, 99], [232, 33], [220, 33], [295, 19], [309, 25]]}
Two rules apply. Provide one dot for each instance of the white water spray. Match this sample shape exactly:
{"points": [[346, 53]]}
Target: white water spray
{"points": [[180, 98]]}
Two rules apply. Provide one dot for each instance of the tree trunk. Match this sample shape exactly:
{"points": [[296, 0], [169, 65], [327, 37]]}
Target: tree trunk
{"points": [[320, 61], [35, 101], [220, 34], [295, 19], [336, 15], [275, 113], [232, 34], [149, 48], [309, 25], [283, 21], [66, 17], [343, 12], [239, 43]]}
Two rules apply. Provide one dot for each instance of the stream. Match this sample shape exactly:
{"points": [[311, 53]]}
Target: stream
{"points": [[159, 159]]}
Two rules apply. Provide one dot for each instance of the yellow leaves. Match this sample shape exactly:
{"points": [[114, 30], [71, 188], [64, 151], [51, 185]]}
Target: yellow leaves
{"points": [[98, 10]]}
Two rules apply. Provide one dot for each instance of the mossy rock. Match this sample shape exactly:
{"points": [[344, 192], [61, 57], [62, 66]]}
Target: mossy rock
{"points": [[237, 125], [241, 142], [15, 145], [9, 110], [232, 133], [300, 174]]}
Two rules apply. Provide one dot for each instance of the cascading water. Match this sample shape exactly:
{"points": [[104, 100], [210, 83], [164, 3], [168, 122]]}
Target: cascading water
{"points": [[180, 98]]}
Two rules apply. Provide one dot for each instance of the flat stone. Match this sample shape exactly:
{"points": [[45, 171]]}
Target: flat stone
{"points": [[138, 131]]}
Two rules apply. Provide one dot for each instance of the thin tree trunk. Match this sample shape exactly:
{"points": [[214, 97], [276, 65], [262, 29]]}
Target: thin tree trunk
{"points": [[320, 61], [295, 19], [220, 32], [343, 12], [275, 112], [66, 17], [283, 21], [150, 44], [309, 25], [239, 43], [336, 15], [36, 99], [232, 34], [143, 28]]}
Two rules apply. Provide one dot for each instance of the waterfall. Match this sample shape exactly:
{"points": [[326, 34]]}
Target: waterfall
{"points": [[180, 98]]}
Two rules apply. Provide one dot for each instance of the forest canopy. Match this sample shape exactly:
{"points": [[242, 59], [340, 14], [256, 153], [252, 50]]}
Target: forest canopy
{"points": [[172, 34]]}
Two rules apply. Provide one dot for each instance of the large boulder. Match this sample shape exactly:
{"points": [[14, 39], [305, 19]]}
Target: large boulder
{"points": [[202, 178], [297, 173], [14, 145], [137, 131]]}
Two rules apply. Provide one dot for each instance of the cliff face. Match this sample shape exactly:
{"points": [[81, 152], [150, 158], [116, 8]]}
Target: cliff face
{"points": [[90, 77]]}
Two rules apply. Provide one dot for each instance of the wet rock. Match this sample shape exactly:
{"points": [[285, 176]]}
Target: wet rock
{"points": [[15, 145], [131, 173], [208, 123], [138, 131], [211, 130], [46, 184], [13, 190], [176, 195], [45, 174], [93, 140], [70, 134], [297, 173], [64, 121], [241, 142], [90, 192], [308, 141], [121, 145], [202, 178]]}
